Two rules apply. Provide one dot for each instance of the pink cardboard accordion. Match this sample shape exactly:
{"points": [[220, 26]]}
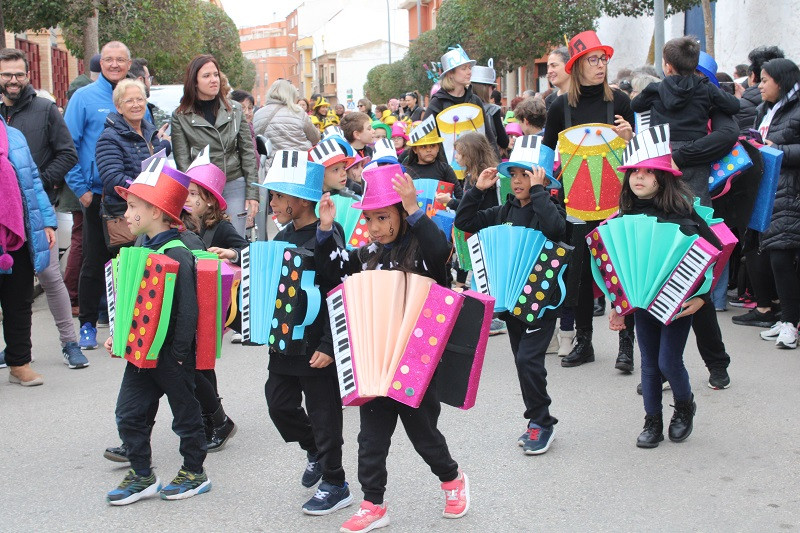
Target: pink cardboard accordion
{"points": [[389, 329]]}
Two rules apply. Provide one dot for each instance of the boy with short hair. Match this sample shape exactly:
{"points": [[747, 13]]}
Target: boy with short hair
{"points": [[332, 155], [155, 200], [318, 427], [357, 128]]}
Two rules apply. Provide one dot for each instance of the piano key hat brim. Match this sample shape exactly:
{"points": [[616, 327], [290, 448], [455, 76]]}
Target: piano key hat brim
{"points": [[649, 148], [582, 44]]}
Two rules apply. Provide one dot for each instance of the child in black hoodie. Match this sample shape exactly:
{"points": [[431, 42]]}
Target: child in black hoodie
{"points": [[318, 428], [534, 207]]}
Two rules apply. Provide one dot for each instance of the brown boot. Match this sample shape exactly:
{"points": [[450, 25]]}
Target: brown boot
{"points": [[24, 375]]}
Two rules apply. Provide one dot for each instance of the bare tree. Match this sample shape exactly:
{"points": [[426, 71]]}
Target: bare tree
{"points": [[91, 44], [708, 20]]}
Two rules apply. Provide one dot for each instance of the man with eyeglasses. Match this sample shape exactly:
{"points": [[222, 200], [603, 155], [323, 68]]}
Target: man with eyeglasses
{"points": [[139, 71], [85, 117], [54, 154]]}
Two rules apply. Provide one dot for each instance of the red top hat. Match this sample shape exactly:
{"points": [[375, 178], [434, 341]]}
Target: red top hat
{"points": [[378, 188], [161, 186], [582, 44]]}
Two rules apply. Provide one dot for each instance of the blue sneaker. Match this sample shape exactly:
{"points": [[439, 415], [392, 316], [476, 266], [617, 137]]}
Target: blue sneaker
{"points": [[185, 485], [328, 498], [3, 359], [73, 356], [133, 488], [88, 339], [538, 439], [313, 472]]}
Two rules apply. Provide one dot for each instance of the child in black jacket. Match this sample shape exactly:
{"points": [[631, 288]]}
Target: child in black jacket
{"points": [[531, 206]]}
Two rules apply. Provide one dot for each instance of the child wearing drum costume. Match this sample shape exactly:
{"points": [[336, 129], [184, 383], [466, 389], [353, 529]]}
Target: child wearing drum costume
{"points": [[531, 206], [403, 239], [652, 187], [153, 210], [312, 375]]}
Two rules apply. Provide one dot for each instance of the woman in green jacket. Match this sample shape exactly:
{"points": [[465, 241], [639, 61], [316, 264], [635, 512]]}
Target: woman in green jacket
{"points": [[206, 117]]}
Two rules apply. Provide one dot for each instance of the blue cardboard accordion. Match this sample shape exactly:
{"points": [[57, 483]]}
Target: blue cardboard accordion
{"points": [[765, 198]]}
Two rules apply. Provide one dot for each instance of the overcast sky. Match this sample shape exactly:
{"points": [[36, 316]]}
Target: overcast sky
{"points": [[245, 14]]}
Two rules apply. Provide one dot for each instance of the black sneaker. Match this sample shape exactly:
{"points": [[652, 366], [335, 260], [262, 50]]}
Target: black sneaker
{"points": [[719, 379], [754, 317], [118, 454], [313, 472], [327, 499]]}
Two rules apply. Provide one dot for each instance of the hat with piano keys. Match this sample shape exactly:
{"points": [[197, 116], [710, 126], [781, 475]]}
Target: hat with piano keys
{"points": [[210, 177], [160, 185], [384, 153], [293, 174], [649, 149], [378, 187], [584, 43], [425, 133], [330, 151], [530, 153]]}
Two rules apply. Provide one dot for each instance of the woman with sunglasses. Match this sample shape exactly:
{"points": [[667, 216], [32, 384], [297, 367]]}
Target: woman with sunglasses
{"points": [[590, 99]]}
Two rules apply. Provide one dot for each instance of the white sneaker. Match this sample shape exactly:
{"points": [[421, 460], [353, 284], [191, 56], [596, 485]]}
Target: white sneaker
{"points": [[236, 338], [772, 333], [565, 341], [787, 338], [553, 346]]}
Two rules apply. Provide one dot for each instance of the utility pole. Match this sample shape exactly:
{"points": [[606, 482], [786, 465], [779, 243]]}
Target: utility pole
{"points": [[658, 34]]}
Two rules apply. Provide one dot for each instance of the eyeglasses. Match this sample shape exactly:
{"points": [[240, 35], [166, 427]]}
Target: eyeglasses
{"points": [[594, 60], [117, 60], [6, 76], [134, 101]]}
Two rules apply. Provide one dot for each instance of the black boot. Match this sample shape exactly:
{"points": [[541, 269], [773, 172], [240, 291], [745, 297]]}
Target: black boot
{"points": [[223, 429], [653, 432], [680, 427], [583, 351], [625, 356]]}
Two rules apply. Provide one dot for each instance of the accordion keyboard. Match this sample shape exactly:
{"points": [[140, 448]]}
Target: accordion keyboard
{"points": [[684, 278], [341, 342], [479, 275], [110, 297]]}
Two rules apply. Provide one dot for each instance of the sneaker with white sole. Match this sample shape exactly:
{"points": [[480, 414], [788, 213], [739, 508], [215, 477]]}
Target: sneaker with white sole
{"points": [[236, 338], [772, 333], [185, 485], [73, 356], [456, 494], [787, 338], [538, 439], [367, 518], [327, 499], [88, 340], [3, 359], [133, 488], [498, 327]]}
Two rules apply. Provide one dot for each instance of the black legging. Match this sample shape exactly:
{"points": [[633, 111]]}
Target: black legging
{"points": [[584, 311], [205, 382], [760, 271], [788, 288]]}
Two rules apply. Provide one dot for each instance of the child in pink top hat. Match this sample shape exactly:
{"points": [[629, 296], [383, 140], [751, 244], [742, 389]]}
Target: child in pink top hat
{"points": [[399, 137], [403, 239], [355, 170]]}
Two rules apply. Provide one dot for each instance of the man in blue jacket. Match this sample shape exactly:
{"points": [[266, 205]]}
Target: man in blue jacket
{"points": [[27, 233], [85, 118]]}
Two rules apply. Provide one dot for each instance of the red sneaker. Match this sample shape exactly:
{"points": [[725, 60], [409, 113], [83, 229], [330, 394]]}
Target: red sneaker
{"points": [[457, 496], [369, 517]]}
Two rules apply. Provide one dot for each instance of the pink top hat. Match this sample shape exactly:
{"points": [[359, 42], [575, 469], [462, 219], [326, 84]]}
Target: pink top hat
{"points": [[378, 189], [649, 148], [358, 159], [513, 128], [399, 130], [211, 178]]}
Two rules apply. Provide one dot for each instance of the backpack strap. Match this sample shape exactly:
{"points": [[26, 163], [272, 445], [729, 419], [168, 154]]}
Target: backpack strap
{"points": [[174, 243], [567, 114], [610, 112], [208, 236]]}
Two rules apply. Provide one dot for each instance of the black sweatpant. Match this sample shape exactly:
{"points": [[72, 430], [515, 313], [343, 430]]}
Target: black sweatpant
{"points": [[140, 389], [782, 262], [95, 256], [16, 300], [378, 422], [529, 345], [318, 428]]}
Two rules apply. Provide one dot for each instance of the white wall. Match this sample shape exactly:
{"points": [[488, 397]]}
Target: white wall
{"points": [[353, 65], [740, 26]]}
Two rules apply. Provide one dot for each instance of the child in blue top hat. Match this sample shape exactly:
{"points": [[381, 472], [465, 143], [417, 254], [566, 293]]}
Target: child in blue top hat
{"points": [[531, 169], [296, 187]]}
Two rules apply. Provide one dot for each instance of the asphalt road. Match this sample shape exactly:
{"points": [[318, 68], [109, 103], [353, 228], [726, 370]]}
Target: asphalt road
{"points": [[737, 472]]}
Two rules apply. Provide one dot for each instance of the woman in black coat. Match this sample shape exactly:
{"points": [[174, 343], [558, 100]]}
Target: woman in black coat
{"points": [[778, 121]]}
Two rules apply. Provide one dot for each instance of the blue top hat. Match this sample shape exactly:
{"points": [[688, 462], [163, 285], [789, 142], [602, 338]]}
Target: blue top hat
{"points": [[455, 58], [293, 174], [708, 66], [530, 153]]}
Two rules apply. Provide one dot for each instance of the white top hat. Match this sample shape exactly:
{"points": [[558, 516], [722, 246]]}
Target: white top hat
{"points": [[485, 75], [455, 58], [649, 149], [332, 130], [288, 166], [329, 152]]}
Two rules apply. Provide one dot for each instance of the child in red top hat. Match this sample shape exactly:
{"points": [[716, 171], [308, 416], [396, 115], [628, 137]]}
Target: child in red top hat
{"points": [[155, 201], [403, 238]]}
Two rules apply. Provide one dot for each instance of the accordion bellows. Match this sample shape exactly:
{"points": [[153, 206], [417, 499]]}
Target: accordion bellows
{"points": [[639, 262], [390, 329], [521, 268]]}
